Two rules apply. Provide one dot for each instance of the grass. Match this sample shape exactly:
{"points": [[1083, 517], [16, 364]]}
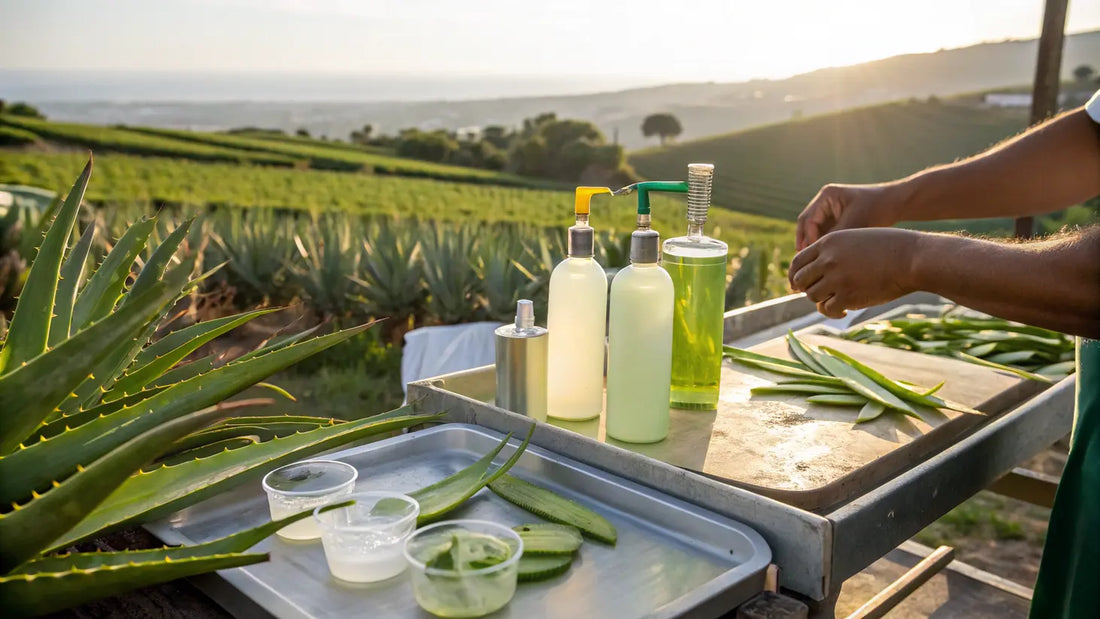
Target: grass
{"points": [[127, 181], [776, 170]]}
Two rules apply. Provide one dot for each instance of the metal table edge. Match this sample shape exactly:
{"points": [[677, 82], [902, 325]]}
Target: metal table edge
{"points": [[800, 541], [878, 521]]}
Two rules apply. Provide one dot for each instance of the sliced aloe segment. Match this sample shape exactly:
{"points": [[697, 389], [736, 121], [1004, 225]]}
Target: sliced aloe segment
{"points": [[803, 353], [742, 354], [777, 368], [1004, 368], [549, 539], [542, 567], [544, 503]]}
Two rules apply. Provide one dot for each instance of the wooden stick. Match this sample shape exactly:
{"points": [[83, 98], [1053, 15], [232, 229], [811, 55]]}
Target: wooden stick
{"points": [[903, 587]]}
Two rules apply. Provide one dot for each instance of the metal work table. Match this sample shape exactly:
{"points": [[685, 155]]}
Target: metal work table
{"points": [[815, 551]]}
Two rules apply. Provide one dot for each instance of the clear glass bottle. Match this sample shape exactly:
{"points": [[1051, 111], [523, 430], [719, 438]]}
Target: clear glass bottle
{"points": [[697, 265]]}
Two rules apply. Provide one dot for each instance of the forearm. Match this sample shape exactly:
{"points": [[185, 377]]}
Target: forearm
{"points": [[1045, 169], [1053, 284]]}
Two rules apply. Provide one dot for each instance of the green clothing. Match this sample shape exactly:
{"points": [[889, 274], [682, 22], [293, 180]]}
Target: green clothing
{"points": [[1069, 577]]}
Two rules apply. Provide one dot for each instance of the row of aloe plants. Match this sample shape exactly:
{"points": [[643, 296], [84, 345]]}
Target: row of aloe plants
{"points": [[107, 420]]}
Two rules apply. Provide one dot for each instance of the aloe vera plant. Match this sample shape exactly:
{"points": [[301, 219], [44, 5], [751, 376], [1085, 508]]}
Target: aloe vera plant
{"points": [[390, 274], [88, 399]]}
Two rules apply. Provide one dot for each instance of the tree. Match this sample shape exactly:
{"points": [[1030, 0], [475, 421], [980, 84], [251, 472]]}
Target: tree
{"points": [[302, 132], [20, 108], [663, 125], [1083, 73], [362, 136], [435, 146]]}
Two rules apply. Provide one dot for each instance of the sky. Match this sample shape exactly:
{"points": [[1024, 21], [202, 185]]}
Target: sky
{"points": [[652, 41]]}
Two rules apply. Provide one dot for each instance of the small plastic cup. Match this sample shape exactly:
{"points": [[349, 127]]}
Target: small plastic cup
{"points": [[462, 592], [303, 486], [364, 542]]}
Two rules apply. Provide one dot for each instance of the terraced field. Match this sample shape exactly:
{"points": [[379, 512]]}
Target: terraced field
{"points": [[151, 182], [775, 170]]}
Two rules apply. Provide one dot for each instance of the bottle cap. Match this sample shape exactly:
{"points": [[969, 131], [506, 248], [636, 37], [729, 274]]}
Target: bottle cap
{"points": [[525, 314], [645, 246]]}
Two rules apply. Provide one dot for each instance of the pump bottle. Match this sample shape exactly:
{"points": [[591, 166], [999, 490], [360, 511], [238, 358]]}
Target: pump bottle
{"points": [[697, 264], [640, 334], [577, 321]]}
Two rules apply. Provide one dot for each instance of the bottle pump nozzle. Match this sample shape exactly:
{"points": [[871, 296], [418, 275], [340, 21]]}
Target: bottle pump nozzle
{"points": [[645, 243], [525, 314], [581, 235]]}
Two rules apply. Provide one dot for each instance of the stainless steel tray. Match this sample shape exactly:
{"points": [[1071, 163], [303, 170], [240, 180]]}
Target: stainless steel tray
{"points": [[672, 558]]}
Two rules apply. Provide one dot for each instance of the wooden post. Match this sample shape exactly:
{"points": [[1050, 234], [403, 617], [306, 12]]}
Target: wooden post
{"points": [[1048, 75]]}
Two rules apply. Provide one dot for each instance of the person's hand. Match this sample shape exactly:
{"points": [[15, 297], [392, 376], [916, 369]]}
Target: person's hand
{"points": [[841, 207], [853, 269]]}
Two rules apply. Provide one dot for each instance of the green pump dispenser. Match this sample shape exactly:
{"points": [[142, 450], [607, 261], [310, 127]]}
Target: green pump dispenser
{"points": [[639, 358]]}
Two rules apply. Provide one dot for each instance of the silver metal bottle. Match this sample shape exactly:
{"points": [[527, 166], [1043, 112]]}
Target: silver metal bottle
{"points": [[521, 364]]}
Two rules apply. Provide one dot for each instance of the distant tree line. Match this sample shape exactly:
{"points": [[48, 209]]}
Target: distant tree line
{"points": [[544, 147], [20, 108]]}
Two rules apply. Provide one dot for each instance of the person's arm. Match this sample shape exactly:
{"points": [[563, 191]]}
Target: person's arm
{"points": [[1045, 169], [1048, 168], [1053, 284]]}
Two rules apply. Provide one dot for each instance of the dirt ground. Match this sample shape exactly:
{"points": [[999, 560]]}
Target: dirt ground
{"points": [[997, 534]]}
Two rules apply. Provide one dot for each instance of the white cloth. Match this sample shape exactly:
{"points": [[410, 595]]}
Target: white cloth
{"points": [[1093, 107], [431, 351]]}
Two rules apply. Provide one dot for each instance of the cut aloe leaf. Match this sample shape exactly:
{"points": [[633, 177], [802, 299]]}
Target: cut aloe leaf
{"points": [[798, 388], [446, 495], [742, 354], [833, 399], [546, 504], [870, 411], [549, 539], [542, 567], [1004, 368], [802, 353], [777, 368]]}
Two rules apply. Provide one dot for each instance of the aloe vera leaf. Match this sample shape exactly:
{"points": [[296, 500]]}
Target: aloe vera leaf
{"points": [[1004, 368], [545, 504], [542, 567], [186, 371], [38, 464], [897, 392], [802, 353], [154, 268], [870, 411], [777, 368], [1062, 367], [549, 539], [29, 331], [32, 595], [30, 392], [279, 419], [1017, 356], [134, 380], [203, 451], [823, 379], [217, 433], [444, 496], [740, 354], [277, 343], [72, 274], [104, 288], [276, 389], [834, 399], [148, 496], [180, 337], [981, 350], [932, 390], [30, 527], [811, 389], [75, 420], [122, 353]]}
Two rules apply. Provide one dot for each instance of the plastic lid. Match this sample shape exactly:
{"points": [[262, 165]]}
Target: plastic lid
{"points": [[310, 478], [525, 314]]}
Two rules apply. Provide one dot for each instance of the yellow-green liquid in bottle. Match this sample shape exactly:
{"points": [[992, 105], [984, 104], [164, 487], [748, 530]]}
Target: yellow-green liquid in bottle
{"points": [[697, 266]]}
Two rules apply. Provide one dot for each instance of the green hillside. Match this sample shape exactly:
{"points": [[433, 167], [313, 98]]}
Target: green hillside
{"points": [[227, 148], [775, 170]]}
